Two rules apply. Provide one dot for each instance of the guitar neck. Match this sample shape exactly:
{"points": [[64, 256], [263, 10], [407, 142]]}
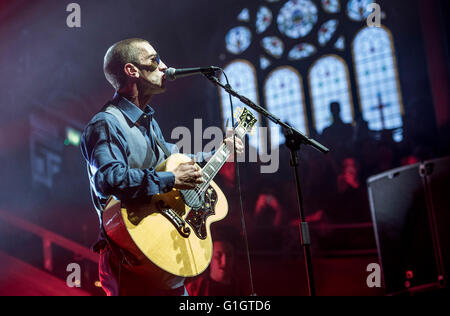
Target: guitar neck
{"points": [[216, 162]]}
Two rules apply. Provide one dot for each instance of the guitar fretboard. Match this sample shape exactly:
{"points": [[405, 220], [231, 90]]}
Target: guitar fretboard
{"points": [[216, 162]]}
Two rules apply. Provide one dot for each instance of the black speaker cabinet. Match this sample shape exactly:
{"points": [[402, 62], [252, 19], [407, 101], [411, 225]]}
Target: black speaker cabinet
{"points": [[410, 209]]}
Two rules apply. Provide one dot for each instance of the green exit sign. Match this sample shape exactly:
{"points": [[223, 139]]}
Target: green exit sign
{"points": [[73, 137]]}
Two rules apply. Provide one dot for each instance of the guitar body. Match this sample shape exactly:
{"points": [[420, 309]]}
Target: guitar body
{"points": [[163, 233]]}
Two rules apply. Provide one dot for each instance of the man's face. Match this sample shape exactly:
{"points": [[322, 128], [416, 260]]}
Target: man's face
{"points": [[151, 68], [222, 261]]}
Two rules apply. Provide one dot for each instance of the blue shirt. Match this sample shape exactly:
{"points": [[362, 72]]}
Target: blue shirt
{"points": [[104, 147]]}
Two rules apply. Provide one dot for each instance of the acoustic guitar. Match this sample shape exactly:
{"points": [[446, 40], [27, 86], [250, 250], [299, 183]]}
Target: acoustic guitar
{"points": [[171, 231]]}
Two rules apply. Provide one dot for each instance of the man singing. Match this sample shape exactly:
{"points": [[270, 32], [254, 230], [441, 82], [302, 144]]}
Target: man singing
{"points": [[122, 145]]}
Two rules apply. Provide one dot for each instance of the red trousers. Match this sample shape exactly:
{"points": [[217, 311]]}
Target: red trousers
{"points": [[118, 279]]}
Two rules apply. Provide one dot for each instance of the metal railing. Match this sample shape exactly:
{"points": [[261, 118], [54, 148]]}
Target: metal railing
{"points": [[48, 239]]}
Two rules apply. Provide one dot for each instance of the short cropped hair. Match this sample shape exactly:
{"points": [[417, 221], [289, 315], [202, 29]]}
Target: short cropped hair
{"points": [[117, 56]]}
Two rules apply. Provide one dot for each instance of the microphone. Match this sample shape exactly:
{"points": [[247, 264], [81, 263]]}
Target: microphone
{"points": [[172, 73]]}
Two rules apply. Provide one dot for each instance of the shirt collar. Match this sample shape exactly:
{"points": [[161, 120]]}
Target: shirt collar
{"points": [[130, 110]]}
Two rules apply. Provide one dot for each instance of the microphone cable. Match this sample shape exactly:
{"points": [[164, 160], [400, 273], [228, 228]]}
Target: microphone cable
{"points": [[238, 179]]}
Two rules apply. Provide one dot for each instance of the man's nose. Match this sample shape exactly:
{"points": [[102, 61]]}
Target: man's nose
{"points": [[162, 66], [223, 261]]}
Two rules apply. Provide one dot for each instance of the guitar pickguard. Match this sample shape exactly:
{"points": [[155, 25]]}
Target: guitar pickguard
{"points": [[197, 218]]}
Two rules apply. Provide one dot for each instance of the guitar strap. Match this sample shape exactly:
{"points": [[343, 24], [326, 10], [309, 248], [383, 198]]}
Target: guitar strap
{"points": [[160, 143]]}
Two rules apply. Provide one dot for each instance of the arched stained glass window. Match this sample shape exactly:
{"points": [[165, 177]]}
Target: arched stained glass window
{"points": [[377, 78], [328, 82], [242, 77], [284, 98]]}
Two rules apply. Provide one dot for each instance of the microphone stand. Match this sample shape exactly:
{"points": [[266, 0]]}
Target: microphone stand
{"points": [[294, 140]]}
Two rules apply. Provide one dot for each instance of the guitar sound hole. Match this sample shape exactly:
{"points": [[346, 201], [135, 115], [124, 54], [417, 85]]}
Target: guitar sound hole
{"points": [[193, 199]]}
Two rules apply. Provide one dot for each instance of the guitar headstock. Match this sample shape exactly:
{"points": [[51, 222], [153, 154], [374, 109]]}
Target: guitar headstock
{"points": [[246, 121]]}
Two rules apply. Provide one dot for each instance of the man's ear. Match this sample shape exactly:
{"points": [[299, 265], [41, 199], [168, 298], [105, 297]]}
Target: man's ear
{"points": [[131, 70]]}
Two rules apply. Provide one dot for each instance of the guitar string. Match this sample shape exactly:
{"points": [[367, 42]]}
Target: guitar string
{"points": [[195, 192], [190, 195], [199, 190]]}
